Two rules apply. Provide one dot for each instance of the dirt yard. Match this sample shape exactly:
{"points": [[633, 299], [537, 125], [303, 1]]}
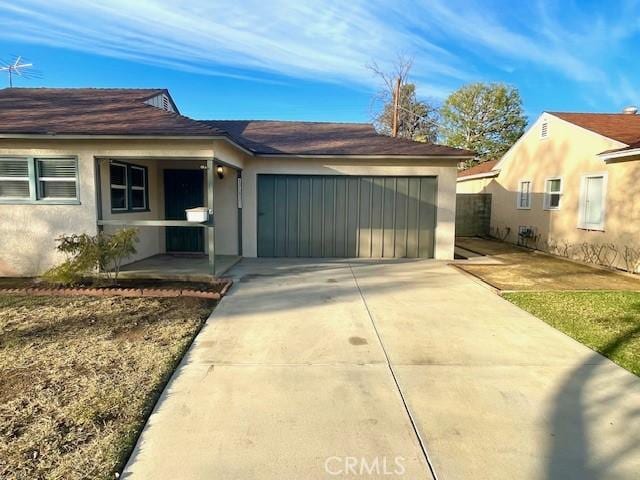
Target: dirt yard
{"points": [[508, 267], [79, 377]]}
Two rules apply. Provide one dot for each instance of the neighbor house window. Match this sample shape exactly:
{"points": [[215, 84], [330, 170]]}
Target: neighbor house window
{"points": [[129, 187], [592, 201], [524, 194], [552, 193], [38, 180]]}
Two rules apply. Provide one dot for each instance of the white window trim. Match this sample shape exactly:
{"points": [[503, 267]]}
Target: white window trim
{"points": [[143, 188], [547, 193], [581, 202], [519, 194], [118, 186]]}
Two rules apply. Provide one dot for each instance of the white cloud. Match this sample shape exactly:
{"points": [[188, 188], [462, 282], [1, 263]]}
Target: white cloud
{"points": [[328, 40]]}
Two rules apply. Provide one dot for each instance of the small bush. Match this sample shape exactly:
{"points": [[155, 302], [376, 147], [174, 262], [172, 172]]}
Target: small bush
{"points": [[87, 254]]}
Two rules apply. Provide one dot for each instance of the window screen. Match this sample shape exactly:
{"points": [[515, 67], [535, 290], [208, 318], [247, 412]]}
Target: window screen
{"points": [[14, 178]]}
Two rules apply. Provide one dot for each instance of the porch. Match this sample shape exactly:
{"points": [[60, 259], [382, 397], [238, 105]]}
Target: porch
{"points": [[152, 194], [183, 268]]}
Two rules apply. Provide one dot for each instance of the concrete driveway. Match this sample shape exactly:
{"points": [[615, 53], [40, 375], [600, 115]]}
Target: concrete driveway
{"points": [[391, 369]]}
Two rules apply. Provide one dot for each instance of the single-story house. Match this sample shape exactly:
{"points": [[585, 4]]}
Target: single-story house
{"points": [[570, 180], [82, 160]]}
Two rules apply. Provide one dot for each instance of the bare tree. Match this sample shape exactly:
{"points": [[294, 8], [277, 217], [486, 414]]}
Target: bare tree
{"points": [[396, 108]]}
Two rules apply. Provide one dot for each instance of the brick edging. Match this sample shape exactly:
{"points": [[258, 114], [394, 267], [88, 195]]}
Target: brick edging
{"points": [[121, 292]]}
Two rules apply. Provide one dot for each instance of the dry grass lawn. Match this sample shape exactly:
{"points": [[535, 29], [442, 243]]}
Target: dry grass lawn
{"points": [[508, 267], [79, 377]]}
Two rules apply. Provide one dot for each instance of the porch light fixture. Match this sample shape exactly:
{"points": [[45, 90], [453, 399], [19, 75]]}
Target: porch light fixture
{"points": [[220, 171]]}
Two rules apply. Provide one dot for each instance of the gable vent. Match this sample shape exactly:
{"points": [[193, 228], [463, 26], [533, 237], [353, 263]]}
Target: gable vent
{"points": [[544, 129], [161, 101]]}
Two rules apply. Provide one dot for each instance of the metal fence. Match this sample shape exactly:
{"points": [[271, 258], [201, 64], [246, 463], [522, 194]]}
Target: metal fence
{"points": [[473, 214]]}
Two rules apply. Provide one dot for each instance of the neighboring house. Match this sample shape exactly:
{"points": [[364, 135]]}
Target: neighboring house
{"points": [[571, 179], [80, 160], [475, 179]]}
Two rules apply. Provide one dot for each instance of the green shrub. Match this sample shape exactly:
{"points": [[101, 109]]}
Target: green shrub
{"points": [[87, 254]]}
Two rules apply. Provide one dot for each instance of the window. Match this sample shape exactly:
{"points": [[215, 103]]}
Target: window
{"points": [[14, 178], [56, 178], [552, 193], [38, 180], [524, 194], [592, 201], [129, 191]]}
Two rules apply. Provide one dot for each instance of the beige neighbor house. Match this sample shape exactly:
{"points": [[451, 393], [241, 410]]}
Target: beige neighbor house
{"points": [[84, 160], [570, 185]]}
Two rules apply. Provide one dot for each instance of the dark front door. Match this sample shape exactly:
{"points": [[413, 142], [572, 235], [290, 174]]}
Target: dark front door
{"points": [[183, 189]]}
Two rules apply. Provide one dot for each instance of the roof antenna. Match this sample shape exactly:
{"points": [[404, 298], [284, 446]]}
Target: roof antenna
{"points": [[17, 67]]}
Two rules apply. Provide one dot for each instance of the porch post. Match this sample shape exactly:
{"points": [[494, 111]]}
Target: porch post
{"points": [[211, 227]]}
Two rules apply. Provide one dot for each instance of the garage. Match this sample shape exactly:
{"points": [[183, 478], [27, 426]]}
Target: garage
{"points": [[346, 216]]}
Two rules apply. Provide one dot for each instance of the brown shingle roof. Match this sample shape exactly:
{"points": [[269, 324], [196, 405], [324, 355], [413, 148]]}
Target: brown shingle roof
{"points": [[617, 126], [483, 167], [91, 111], [323, 138]]}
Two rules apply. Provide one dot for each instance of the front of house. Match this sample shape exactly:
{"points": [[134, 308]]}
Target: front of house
{"points": [[84, 160], [570, 180]]}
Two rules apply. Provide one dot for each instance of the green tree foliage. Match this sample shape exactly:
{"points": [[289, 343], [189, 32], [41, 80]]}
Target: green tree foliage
{"points": [[417, 119], [486, 118], [87, 254]]}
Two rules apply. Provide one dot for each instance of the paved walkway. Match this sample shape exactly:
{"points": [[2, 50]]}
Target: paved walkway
{"points": [[397, 369]]}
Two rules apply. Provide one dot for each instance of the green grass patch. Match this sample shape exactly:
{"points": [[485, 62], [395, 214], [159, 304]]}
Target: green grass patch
{"points": [[608, 322]]}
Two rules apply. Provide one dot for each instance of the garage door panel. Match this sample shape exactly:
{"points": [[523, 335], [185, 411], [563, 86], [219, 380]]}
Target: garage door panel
{"points": [[352, 192], [346, 216], [364, 218], [317, 211], [427, 216], [280, 202], [292, 216], [304, 213], [388, 217], [377, 212], [266, 212]]}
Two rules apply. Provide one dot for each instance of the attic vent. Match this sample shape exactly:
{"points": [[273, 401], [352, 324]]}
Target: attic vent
{"points": [[161, 101], [544, 129]]}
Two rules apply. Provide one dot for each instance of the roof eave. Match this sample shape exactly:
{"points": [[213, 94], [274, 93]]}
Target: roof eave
{"points": [[53, 136], [620, 156], [366, 156], [492, 173]]}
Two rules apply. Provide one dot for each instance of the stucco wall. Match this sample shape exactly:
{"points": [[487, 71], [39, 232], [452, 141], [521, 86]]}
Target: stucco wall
{"points": [[28, 232], [445, 170], [568, 152]]}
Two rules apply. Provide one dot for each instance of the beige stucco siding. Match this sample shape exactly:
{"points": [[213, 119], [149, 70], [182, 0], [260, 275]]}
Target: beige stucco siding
{"points": [[445, 170], [569, 152]]}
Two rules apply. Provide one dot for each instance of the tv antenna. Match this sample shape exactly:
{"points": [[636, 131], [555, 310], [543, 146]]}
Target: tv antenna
{"points": [[18, 67]]}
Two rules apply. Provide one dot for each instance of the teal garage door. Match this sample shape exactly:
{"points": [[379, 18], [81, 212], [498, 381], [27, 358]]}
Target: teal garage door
{"points": [[346, 216]]}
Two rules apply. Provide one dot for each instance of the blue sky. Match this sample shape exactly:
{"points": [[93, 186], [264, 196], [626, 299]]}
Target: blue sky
{"points": [[306, 60]]}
